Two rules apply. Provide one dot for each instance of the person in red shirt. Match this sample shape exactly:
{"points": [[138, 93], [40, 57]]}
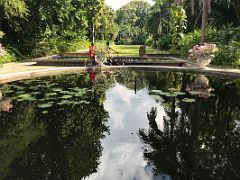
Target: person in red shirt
{"points": [[92, 52]]}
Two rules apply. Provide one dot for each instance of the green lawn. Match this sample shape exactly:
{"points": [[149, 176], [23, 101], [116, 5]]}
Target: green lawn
{"points": [[133, 50]]}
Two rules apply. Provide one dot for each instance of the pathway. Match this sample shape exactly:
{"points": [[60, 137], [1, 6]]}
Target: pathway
{"points": [[25, 70]]}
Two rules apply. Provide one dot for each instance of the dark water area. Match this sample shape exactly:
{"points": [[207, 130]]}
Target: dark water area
{"points": [[120, 126]]}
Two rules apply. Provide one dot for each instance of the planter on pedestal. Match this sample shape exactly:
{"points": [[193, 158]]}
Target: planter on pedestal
{"points": [[100, 59], [203, 62]]}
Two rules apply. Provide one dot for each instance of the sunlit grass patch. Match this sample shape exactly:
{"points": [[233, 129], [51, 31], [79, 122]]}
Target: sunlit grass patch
{"points": [[133, 50]]}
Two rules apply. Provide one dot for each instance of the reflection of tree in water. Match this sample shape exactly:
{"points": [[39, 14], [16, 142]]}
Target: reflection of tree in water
{"points": [[62, 142], [199, 140], [17, 131], [132, 79]]}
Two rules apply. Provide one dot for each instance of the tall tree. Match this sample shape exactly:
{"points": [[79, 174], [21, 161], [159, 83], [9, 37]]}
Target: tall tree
{"points": [[131, 20], [204, 20], [107, 29], [11, 10]]}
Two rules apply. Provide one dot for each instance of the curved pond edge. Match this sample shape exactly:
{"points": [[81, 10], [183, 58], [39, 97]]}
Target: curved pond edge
{"points": [[74, 70]]}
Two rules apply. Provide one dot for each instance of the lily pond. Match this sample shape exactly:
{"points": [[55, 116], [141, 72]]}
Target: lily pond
{"points": [[120, 126]]}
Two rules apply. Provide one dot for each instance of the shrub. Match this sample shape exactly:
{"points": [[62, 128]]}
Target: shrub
{"points": [[205, 51], [55, 45], [228, 54], [9, 56], [188, 41], [226, 38], [149, 41], [164, 42], [227, 34], [6, 55], [1, 34]]}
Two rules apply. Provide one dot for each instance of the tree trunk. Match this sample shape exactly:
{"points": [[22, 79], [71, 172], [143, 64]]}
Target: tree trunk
{"points": [[236, 6], [204, 21], [33, 17], [192, 6]]}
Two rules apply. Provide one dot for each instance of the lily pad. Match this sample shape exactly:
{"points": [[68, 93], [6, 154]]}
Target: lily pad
{"points": [[66, 97], [156, 91], [179, 93], [66, 92], [167, 94], [25, 97], [45, 105], [20, 92], [84, 102], [195, 92], [18, 87], [188, 100], [78, 94], [44, 112], [8, 91], [52, 84], [35, 93], [83, 90], [64, 102], [50, 94], [56, 89], [173, 89]]}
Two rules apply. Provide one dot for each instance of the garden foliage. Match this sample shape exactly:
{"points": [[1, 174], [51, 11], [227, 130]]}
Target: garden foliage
{"points": [[227, 40], [36, 28]]}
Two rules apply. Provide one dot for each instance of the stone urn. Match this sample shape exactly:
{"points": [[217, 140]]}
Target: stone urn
{"points": [[100, 59], [203, 62]]}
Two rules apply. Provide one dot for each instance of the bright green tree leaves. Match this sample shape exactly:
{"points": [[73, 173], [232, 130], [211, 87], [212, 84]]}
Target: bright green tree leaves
{"points": [[131, 20]]}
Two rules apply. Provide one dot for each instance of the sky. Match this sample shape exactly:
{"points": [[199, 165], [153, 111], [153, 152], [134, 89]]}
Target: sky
{"points": [[122, 156], [116, 4]]}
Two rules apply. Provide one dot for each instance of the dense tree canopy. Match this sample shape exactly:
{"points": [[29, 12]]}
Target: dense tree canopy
{"points": [[40, 27], [57, 25], [131, 19]]}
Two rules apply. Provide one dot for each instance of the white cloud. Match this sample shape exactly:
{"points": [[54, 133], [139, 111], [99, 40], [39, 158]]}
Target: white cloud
{"points": [[122, 156], [116, 4]]}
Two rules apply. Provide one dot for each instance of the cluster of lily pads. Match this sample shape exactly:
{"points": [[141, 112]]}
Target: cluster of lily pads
{"points": [[46, 94], [172, 92]]}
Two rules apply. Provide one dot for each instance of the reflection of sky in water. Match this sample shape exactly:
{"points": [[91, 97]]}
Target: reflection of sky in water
{"points": [[122, 156]]}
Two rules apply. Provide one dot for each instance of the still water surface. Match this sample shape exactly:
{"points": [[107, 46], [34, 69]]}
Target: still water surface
{"points": [[121, 125]]}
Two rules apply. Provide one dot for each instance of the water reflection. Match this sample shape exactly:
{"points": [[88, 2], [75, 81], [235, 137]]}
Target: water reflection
{"points": [[122, 153], [92, 75], [199, 141], [54, 130], [5, 105], [99, 77], [85, 127], [200, 86]]}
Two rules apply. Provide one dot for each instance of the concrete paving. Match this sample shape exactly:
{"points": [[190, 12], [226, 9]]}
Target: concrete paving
{"points": [[26, 70]]}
